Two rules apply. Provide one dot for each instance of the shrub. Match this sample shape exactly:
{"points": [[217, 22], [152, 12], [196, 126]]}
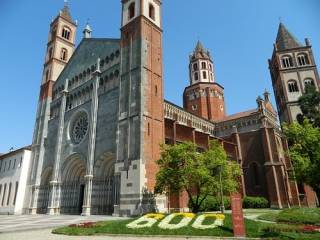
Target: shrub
{"points": [[255, 202], [300, 216], [213, 204]]}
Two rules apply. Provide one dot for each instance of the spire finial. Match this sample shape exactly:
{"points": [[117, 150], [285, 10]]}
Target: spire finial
{"points": [[66, 3], [280, 20]]}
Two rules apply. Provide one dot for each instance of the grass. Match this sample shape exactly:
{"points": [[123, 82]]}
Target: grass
{"points": [[119, 227], [294, 216], [271, 217], [289, 227]]}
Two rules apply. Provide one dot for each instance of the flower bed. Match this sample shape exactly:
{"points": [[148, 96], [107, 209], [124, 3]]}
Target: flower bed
{"points": [[83, 225], [177, 221]]}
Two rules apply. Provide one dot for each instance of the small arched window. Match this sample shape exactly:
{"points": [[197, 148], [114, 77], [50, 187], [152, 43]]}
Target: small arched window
{"points": [[303, 59], [156, 90], [131, 10], [195, 67], [293, 86], [66, 33], [4, 193], [151, 11], [204, 75], [203, 65], [47, 75], [299, 118], [287, 61], [9, 194], [196, 76], [50, 53], [308, 82], [64, 54]]}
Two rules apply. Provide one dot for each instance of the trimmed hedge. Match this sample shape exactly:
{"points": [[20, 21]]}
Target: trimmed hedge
{"points": [[213, 203], [255, 202]]}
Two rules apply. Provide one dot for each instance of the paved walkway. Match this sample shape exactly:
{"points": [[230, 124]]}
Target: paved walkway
{"points": [[29, 222]]}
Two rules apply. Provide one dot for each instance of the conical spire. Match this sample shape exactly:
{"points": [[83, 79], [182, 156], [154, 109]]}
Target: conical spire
{"points": [[200, 52], [65, 13], [285, 40]]}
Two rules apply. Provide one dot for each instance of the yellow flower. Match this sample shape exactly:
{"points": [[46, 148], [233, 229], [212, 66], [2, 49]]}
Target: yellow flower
{"points": [[157, 216], [188, 215]]}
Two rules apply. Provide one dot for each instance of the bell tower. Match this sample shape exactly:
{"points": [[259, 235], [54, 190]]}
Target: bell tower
{"points": [[203, 97], [60, 47], [141, 120], [292, 67]]}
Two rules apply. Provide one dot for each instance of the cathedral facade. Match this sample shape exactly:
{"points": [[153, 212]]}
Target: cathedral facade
{"points": [[102, 117]]}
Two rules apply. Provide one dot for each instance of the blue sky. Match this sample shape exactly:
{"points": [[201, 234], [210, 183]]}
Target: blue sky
{"points": [[238, 33]]}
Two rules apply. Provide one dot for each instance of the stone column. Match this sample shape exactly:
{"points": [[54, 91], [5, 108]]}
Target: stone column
{"points": [[54, 199], [86, 208]]}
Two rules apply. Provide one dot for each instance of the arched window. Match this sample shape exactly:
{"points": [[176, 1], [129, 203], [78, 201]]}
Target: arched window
{"points": [[203, 65], [50, 53], [195, 67], [64, 54], [254, 169], [66, 33], [47, 75], [4, 194], [303, 59], [9, 194], [196, 76], [156, 90], [287, 61], [308, 82], [131, 11], [293, 86], [151, 12], [15, 193], [204, 74]]}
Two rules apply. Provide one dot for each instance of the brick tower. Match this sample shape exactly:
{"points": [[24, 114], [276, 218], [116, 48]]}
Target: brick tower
{"points": [[141, 121], [204, 97], [292, 67], [60, 47]]}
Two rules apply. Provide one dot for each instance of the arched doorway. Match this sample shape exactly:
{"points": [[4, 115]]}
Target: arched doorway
{"points": [[73, 171], [44, 191], [106, 186]]}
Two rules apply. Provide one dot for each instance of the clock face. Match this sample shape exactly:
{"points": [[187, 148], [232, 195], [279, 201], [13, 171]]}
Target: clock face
{"points": [[79, 128]]}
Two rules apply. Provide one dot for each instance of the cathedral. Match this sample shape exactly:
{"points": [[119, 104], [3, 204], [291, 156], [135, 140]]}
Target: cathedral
{"points": [[102, 117]]}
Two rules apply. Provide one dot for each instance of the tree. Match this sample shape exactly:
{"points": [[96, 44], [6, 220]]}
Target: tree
{"points": [[182, 168], [310, 105], [304, 151]]}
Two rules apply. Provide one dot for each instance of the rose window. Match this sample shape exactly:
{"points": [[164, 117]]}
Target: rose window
{"points": [[80, 128]]}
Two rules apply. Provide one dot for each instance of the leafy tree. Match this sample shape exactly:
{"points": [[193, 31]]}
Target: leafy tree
{"points": [[310, 105], [304, 151], [182, 168]]}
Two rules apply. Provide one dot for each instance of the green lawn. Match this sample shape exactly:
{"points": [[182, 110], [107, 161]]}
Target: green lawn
{"points": [[294, 216], [254, 229]]}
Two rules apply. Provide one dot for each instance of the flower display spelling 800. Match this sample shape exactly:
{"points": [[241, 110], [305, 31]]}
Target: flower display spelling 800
{"points": [[149, 220]]}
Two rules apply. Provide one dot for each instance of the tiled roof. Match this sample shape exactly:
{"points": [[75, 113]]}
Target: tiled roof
{"points": [[239, 115], [285, 40]]}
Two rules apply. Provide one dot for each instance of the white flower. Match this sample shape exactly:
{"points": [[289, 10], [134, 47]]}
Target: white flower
{"points": [[148, 222], [165, 223], [218, 222]]}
